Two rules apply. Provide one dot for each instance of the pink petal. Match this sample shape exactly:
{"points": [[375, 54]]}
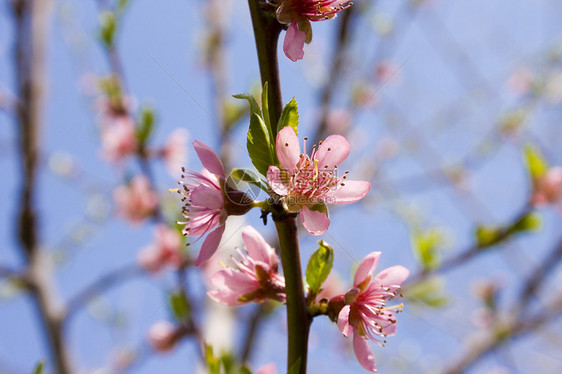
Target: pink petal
{"points": [[343, 321], [267, 369], [224, 297], [210, 245], [392, 277], [288, 148], [350, 192], [209, 158], [276, 182], [332, 151], [293, 46], [366, 268], [208, 197], [363, 353], [314, 222], [256, 246]]}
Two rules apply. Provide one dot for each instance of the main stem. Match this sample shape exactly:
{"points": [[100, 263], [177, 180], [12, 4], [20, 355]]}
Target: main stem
{"points": [[298, 319], [266, 31]]}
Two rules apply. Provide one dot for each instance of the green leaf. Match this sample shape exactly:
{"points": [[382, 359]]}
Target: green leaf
{"points": [[146, 124], [430, 292], [254, 107], [39, 368], [530, 222], [259, 137], [426, 247], [319, 266], [536, 164], [289, 116], [179, 306], [245, 175], [244, 370], [213, 363], [487, 235], [121, 5], [108, 28], [228, 363], [265, 109], [258, 144]]}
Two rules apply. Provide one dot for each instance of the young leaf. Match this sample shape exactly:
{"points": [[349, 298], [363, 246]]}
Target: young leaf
{"points": [[108, 29], [289, 116], [146, 124], [426, 247], [258, 144], [530, 222], [213, 363], [179, 306], [265, 109], [319, 266], [536, 164], [430, 292], [39, 368]]}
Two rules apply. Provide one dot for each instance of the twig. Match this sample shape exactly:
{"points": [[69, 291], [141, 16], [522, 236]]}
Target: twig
{"points": [[338, 62], [252, 332], [504, 332], [101, 285], [475, 249]]}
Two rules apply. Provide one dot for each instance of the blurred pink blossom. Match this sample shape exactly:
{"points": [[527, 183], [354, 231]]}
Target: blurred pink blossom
{"points": [[255, 278], [267, 369], [521, 81], [174, 152], [118, 139], [386, 71], [298, 14], [365, 313], [307, 183], [162, 336], [164, 251], [136, 201], [548, 188]]}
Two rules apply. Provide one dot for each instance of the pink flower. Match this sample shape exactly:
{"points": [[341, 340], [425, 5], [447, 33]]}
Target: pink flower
{"points": [[165, 250], [365, 313], [307, 183], [174, 152], [256, 277], [118, 138], [548, 188], [163, 336], [298, 14], [136, 201], [267, 369], [209, 202]]}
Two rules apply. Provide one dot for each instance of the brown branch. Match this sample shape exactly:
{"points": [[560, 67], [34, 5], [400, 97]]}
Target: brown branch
{"points": [[106, 282], [502, 333], [32, 21], [252, 332], [338, 62], [474, 250]]}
